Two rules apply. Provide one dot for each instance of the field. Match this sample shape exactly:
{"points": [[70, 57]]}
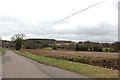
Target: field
{"points": [[84, 69], [72, 53], [102, 59], [47, 48]]}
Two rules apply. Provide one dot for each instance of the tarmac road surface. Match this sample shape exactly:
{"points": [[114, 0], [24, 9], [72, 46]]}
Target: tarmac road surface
{"points": [[16, 66]]}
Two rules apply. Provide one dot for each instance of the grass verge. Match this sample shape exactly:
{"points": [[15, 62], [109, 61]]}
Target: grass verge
{"points": [[84, 69], [2, 53]]}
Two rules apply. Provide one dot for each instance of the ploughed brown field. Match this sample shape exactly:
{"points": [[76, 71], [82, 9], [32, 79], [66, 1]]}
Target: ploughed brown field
{"points": [[42, 52]]}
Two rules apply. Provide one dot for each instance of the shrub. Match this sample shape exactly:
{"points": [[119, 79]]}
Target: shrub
{"points": [[54, 48]]}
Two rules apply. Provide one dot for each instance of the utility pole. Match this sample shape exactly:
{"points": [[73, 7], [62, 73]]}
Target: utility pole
{"points": [[0, 43]]}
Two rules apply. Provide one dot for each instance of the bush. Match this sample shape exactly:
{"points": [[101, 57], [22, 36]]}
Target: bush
{"points": [[54, 48]]}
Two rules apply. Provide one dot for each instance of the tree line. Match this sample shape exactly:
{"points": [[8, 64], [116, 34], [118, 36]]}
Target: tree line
{"points": [[17, 42]]}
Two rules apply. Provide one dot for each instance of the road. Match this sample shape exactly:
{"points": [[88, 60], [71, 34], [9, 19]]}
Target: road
{"points": [[16, 66]]}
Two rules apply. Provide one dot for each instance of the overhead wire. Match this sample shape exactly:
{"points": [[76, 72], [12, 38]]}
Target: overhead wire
{"points": [[49, 25]]}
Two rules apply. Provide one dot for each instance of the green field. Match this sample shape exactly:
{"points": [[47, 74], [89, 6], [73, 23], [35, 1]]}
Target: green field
{"points": [[48, 48], [84, 69]]}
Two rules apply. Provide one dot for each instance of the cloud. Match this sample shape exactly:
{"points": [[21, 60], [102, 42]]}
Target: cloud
{"points": [[103, 32], [115, 4], [99, 32], [96, 24]]}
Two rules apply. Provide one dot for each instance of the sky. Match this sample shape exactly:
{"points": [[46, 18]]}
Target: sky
{"points": [[34, 18]]}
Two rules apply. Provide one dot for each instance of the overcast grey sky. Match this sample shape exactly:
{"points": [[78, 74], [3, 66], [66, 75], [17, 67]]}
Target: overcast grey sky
{"points": [[99, 23]]}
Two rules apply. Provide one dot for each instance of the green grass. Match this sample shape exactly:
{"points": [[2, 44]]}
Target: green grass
{"points": [[2, 53], [47, 48], [84, 69], [108, 49]]}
